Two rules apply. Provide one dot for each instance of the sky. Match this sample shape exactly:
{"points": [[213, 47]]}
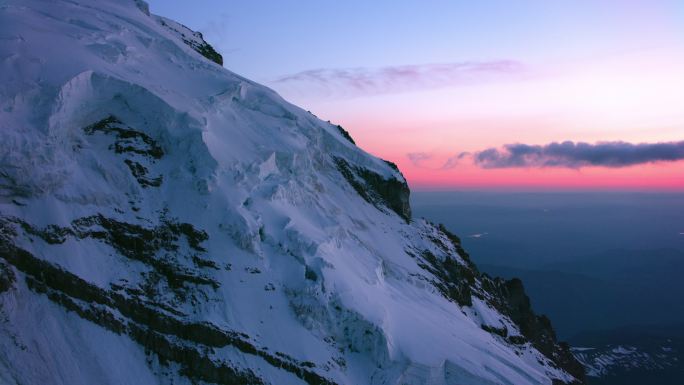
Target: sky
{"points": [[525, 95]]}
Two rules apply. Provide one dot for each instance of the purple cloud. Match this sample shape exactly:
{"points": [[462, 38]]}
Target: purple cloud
{"points": [[395, 79], [575, 155]]}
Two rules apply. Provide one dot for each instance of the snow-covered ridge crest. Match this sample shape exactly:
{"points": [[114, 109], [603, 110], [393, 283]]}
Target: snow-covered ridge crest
{"points": [[163, 220]]}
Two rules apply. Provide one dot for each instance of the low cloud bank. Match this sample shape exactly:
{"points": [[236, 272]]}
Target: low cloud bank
{"points": [[578, 154]]}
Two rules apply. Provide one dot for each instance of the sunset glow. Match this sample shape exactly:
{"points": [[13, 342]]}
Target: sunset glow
{"points": [[466, 78]]}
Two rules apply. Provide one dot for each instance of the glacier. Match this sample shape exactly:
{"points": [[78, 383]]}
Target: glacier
{"points": [[166, 221]]}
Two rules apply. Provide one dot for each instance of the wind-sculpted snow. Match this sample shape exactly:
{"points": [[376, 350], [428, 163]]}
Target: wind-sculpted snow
{"points": [[165, 221]]}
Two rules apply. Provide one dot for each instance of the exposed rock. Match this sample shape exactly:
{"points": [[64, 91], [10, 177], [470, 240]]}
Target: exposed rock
{"points": [[7, 277], [454, 280], [193, 39], [150, 326], [345, 133], [158, 247], [510, 299], [457, 281], [128, 140], [375, 189], [140, 173]]}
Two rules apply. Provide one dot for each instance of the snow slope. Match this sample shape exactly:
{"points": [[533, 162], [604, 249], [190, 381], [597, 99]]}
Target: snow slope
{"points": [[165, 221]]}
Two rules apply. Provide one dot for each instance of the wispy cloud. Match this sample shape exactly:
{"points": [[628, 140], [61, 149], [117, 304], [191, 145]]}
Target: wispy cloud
{"points": [[417, 158], [454, 161], [578, 154], [349, 82]]}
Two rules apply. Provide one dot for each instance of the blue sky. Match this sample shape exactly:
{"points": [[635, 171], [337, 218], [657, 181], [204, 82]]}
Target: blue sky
{"points": [[421, 82], [264, 39]]}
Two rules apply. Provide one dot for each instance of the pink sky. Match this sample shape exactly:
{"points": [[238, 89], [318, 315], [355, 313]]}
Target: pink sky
{"points": [[635, 97], [638, 178]]}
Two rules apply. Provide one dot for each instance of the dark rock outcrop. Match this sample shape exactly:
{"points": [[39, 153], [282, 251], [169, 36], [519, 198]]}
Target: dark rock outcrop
{"points": [[7, 277], [127, 140], [193, 39], [345, 133], [453, 279], [158, 247], [457, 282], [131, 143], [375, 189], [512, 301]]}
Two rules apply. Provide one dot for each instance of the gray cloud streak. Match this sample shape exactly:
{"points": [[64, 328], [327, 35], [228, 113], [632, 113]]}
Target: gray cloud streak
{"points": [[393, 79], [417, 158], [575, 155], [454, 161]]}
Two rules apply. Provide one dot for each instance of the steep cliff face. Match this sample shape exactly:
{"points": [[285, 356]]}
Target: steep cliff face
{"points": [[192, 39], [392, 193], [165, 221]]}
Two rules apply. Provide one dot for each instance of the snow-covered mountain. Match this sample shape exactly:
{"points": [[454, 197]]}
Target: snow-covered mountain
{"points": [[165, 221]]}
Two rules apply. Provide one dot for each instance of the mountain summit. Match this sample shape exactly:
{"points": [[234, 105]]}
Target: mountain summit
{"points": [[165, 221]]}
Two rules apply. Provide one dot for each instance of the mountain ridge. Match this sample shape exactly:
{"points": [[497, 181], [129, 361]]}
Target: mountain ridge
{"points": [[164, 220]]}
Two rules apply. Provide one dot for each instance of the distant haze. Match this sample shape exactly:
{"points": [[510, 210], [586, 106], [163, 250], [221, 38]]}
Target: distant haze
{"points": [[591, 261], [528, 229]]}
